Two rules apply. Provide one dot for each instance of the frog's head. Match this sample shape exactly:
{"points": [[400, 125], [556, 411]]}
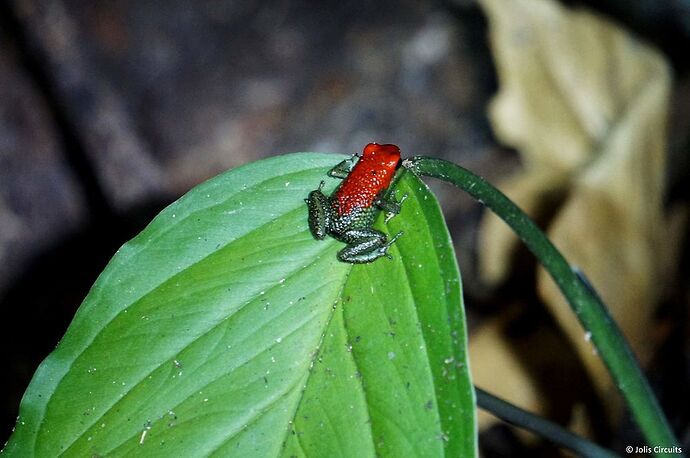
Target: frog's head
{"points": [[385, 154]]}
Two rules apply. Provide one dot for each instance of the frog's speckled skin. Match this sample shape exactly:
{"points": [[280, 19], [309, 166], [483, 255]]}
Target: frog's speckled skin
{"points": [[350, 211]]}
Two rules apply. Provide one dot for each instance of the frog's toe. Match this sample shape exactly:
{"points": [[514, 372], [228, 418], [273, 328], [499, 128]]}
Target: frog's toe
{"points": [[395, 237]]}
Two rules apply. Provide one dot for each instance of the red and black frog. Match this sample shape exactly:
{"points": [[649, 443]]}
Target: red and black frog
{"points": [[349, 213]]}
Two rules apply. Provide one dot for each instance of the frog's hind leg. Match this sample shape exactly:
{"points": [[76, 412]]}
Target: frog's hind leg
{"points": [[365, 245], [319, 212]]}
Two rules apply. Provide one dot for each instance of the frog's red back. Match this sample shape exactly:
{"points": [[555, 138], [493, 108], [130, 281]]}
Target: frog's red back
{"points": [[371, 174]]}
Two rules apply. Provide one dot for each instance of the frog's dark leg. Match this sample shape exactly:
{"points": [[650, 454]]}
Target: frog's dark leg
{"points": [[365, 245], [343, 169], [389, 204], [320, 213]]}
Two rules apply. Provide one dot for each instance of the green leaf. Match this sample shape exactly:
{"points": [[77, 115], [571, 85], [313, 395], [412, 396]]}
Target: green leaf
{"points": [[225, 329]]}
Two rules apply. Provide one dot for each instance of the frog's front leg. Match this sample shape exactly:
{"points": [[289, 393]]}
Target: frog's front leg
{"points": [[343, 169], [365, 245], [388, 204], [320, 213]]}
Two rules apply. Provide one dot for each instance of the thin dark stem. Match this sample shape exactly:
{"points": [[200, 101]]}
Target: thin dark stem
{"points": [[592, 313], [540, 426]]}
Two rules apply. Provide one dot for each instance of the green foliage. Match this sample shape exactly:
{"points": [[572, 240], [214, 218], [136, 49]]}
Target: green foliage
{"points": [[583, 300], [224, 328]]}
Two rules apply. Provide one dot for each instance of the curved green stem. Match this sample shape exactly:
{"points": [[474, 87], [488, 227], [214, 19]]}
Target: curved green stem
{"points": [[592, 313], [540, 426]]}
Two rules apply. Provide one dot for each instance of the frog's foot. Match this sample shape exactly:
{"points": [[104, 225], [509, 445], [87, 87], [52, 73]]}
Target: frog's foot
{"points": [[392, 240], [343, 169], [389, 204], [383, 251], [365, 246]]}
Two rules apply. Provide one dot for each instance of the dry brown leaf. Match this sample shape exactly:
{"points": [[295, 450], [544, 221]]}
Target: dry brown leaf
{"points": [[614, 228], [531, 366], [585, 104], [496, 369]]}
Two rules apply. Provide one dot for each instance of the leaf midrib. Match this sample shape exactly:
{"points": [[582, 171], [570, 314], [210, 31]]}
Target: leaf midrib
{"points": [[318, 350]]}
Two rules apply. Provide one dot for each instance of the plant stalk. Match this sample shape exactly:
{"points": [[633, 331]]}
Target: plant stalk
{"points": [[588, 307], [540, 426]]}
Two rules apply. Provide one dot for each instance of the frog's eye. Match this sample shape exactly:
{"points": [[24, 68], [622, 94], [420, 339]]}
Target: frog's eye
{"points": [[370, 149]]}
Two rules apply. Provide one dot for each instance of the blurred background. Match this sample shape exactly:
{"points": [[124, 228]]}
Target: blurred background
{"points": [[110, 110]]}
